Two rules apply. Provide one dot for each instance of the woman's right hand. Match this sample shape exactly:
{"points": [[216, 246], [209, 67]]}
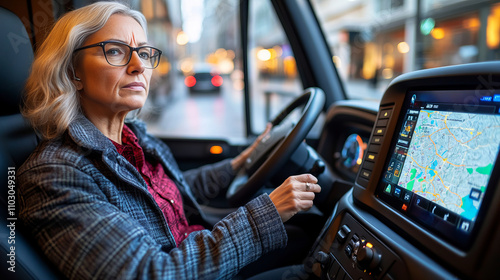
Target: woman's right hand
{"points": [[294, 195]]}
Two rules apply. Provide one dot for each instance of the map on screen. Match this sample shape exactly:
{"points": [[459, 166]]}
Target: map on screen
{"points": [[450, 159]]}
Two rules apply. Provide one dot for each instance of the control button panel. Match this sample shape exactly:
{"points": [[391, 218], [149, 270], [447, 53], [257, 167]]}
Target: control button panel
{"points": [[374, 145], [356, 254]]}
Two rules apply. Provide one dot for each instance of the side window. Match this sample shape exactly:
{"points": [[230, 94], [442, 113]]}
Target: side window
{"points": [[197, 92], [273, 76]]}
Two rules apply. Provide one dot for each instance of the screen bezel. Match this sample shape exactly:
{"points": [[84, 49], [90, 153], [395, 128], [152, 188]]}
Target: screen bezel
{"points": [[437, 226]]}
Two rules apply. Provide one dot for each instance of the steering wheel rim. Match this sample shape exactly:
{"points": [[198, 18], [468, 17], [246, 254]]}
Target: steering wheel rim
{"points": [[314, 100]]}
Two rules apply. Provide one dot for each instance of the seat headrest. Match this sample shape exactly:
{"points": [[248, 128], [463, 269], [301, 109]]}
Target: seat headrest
{"points": [[16, 56]]}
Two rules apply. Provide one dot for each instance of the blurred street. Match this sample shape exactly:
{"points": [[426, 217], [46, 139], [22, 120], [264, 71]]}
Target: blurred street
{"points": [[198, 114]]}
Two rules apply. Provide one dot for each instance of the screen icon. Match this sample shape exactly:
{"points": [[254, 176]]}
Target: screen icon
{"points": [[423, 203], [407, 196], [465, 225], [475, 194], [388, 189], [397, 192]]}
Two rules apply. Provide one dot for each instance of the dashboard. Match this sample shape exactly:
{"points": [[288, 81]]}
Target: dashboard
{"points": [[425, 197]]}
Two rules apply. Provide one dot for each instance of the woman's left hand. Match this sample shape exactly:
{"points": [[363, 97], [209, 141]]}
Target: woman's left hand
{"points": [[238, 161]]}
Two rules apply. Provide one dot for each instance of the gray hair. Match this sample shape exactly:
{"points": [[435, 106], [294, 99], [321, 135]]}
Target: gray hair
{"points": [[51, 100]]}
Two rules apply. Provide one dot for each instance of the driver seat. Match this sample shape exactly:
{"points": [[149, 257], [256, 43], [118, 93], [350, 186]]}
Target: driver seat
{"points": [[17, 140]]}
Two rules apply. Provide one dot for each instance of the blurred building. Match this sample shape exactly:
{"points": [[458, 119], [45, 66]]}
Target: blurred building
{"points": [[384, 38]]}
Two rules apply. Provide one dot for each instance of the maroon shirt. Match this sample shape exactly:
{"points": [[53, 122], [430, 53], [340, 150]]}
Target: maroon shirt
{"points": [[162, 188]]}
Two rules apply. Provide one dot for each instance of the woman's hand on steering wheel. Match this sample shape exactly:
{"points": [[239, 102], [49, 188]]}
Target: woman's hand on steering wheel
{"points": [[239, 161], [294, 195], [271, 154]]}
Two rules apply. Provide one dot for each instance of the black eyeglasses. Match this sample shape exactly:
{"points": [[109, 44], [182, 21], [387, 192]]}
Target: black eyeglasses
{"points": [[119, 54]]}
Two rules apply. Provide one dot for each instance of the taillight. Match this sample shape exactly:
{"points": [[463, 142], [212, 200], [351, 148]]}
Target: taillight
{"points": [[190, 81], [217, 81]]}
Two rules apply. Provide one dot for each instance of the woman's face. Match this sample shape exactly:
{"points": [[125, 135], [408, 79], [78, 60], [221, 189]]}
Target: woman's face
{"points": [[111, 90]]}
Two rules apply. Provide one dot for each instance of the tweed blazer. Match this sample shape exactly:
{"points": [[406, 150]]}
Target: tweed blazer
{"points": [[92, 215]]}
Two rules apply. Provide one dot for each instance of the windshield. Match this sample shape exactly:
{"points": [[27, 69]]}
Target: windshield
{"points": [[374, 41]]}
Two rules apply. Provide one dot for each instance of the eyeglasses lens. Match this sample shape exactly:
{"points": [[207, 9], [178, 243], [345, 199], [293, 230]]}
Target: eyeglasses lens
{"points": [[119, 55]]}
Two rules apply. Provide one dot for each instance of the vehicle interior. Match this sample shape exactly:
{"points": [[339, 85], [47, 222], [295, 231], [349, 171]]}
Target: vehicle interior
{"points": [[410, 178]]}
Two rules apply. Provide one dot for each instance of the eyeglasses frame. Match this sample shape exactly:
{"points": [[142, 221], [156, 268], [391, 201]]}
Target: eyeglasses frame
{"points": [[132, 49]]}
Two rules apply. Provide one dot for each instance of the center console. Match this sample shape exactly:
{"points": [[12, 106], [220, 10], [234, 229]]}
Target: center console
{"points": [[426, 200]]}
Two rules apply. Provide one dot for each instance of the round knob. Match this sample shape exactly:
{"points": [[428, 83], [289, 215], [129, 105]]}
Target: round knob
{"points": [[323, 258], [318, 168], [365, 256], [368, 258]]}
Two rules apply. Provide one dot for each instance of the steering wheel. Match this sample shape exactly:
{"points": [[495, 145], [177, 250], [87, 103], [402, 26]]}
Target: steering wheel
{"points": [[274, 150]]}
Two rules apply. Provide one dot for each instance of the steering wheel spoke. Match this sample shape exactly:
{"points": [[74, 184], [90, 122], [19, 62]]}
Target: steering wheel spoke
{"points": [[267, 145]]}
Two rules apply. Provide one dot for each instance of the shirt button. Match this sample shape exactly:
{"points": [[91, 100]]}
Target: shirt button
{"points": [[185, 234], [172, 201]]}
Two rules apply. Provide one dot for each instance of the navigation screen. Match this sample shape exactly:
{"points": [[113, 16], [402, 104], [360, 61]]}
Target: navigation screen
{"points": [[443, 158]]}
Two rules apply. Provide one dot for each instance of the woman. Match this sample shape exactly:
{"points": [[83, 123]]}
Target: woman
{"points": [[103, 198]]}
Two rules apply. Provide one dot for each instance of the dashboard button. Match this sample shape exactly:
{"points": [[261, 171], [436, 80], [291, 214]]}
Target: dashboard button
{"points": [[371, 157], [343, 233], [368, 165], [355, 238], [346, 229], [348, 250], [385, 114], [374, 148], [365, 174], [341, 236], [377, 139], [379, 131], [382, 123]]}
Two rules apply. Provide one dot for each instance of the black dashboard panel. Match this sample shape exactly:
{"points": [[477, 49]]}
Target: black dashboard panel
{"points": [[373, 235], [347, 129]]}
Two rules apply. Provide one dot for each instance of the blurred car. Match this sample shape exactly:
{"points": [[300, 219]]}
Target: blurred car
{"points": [[204, 78]]}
